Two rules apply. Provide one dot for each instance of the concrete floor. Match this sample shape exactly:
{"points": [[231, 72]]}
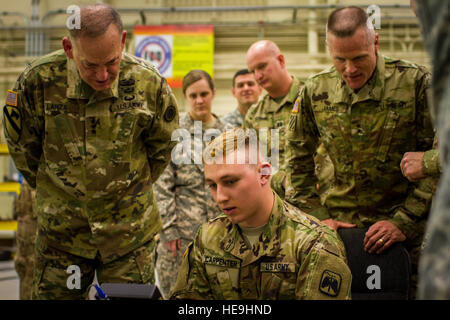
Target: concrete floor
{"points": [[9, 281]]}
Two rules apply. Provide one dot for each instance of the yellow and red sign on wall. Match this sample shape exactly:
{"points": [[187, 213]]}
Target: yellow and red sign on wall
{"points": [[176, 49]]}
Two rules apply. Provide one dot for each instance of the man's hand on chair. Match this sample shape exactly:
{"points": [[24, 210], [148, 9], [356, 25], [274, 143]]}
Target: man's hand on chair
{"points": [[381, 235]]}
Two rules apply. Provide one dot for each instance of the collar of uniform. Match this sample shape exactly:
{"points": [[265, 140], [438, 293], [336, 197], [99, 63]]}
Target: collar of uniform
{"points": [[238, 114], [112, 92], [75, 86], [234, 243], [270, 237], [372, 90], [187, 122], [78, 89], [289, 98]]}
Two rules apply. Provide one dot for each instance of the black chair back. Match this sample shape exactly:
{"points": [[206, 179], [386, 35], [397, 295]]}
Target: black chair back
{"points": [[383, 276]]}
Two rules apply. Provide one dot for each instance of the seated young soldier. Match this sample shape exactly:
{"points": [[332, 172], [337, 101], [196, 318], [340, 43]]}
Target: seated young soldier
{"points": [[260, 247]]}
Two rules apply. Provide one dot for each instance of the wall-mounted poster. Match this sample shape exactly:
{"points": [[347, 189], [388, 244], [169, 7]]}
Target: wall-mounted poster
{"points": [[176, 49]]}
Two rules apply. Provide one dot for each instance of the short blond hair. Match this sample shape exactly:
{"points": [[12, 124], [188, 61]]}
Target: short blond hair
{"points": [[235, 140]]}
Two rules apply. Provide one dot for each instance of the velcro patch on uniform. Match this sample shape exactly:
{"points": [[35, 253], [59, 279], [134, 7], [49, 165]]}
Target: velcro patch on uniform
{"points": [[295, 108], [170, 113], [276, 267], [221, 262], [330, 283], [13, 122], [11, 98]]}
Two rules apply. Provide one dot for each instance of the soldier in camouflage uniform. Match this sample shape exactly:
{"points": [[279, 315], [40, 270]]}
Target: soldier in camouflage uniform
{"points": [[267, 63], [89, 127], [367, 111], [25, 239], [260, 247], [423, 168], [247, 92], [416, 166], [420, 165], [183, 198], [434, 271]]}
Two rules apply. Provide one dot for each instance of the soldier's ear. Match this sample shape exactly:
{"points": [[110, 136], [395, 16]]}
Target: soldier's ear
{"points": [[281, 59], [124, 39], [265, 170], [377, 42], [68, 47]]}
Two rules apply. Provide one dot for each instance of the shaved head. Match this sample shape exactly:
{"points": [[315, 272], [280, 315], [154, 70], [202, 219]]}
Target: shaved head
{"points": [[265, 61], [353, 45], [344, 22], [266, 46]]}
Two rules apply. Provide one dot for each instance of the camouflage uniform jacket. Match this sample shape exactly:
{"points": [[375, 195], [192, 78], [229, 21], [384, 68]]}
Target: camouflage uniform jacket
{"points": [[234, 118], [365, 135], [92, 155], [296, 258], [430, 161], [267, 113], [183, 197]]}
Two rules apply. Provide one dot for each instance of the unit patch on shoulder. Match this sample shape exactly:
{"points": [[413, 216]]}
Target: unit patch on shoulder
{"points": [[13, 122], [330, 283], [170, 113], [295, 108]]}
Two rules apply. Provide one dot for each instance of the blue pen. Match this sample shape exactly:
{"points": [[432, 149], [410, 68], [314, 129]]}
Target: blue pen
{"points": [[100, 293]]}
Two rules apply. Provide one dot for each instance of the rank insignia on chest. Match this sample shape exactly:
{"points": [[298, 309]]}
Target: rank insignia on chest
{"points": [[330, 283], [295, 108]]}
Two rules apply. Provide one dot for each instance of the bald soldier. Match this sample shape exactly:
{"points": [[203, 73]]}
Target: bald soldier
{"points": [[260, 247], [367, 111], [265, 60], [90, 128]]}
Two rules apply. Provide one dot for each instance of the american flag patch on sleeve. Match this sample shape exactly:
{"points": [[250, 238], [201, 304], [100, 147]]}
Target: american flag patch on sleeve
{"points": [[11, 98], [295, 108]]}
